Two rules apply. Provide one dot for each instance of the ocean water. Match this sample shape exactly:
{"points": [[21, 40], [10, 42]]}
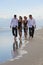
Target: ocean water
{"points": [[6, 47], [6, 41]]}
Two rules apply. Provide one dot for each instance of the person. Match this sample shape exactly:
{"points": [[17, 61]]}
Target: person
{"points": [[32, 26], [20, 26], [25, 22], [14, 25], [20, 44]]}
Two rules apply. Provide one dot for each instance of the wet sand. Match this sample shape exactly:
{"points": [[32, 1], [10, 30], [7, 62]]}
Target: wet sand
{"points": [[34, 49]]}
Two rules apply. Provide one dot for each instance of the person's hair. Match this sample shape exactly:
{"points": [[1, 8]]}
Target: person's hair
{"points": [[15, 16], [25, 17], [30, 15], [20, 17]]}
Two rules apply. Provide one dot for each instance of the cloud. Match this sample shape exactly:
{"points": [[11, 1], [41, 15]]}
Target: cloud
{"points": [[36, 12]]}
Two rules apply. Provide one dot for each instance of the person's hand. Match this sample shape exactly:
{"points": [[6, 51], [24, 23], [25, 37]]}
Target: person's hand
{"points": [[16, 27]]}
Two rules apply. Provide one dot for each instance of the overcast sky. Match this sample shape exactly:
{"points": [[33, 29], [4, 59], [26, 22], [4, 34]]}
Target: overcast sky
{"points": [[21, 7]]}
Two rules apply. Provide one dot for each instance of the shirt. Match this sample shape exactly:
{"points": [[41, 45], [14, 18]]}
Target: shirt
{"points": [[14, 22], [31, 22]]}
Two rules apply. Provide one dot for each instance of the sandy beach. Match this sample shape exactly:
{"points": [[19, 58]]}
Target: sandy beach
{"points": [[34, 49]]}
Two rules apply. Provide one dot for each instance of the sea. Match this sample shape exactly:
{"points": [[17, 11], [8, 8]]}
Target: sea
{"points": [[6, 41]]}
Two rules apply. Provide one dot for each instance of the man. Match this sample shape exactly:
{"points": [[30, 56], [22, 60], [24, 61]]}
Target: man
{"points": [[14, 25], [32, 26]]}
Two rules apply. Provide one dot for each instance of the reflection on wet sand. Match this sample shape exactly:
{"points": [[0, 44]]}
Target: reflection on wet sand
{"points": [[17, 53], [20, 44], [15, 46]]}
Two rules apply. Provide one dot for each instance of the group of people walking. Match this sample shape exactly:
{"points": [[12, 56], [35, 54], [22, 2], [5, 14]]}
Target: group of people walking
{"points": [[18, 24]]}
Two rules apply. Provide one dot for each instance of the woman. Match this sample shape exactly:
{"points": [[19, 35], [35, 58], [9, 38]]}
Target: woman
{"points": [[20, 26], [25, 26]]}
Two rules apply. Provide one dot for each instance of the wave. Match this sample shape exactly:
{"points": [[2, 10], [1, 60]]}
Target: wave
{"points": [[9, 29], [5, 28]]}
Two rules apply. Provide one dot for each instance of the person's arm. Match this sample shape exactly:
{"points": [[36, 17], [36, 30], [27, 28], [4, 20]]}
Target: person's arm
{"points": [[28, 23]]}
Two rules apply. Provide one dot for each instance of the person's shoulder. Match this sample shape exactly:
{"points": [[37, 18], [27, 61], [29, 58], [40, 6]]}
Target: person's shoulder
{"points": [[17, 19]]}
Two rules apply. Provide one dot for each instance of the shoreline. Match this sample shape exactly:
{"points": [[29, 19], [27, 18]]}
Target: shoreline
{"points": [[27, 57], [8, 28]]}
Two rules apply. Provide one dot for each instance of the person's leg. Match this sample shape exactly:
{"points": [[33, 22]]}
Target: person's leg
{"points": [[20, 35], [25, 33], [32, 32], [20, 44], [20, 32], [13, 32], [15, 38], [14, 47]]}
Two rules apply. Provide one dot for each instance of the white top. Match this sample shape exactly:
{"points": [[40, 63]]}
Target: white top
{"points": [[31, 22], [14, 22]]}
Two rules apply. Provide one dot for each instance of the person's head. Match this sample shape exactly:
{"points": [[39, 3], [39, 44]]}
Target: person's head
{"points": [[15, 16], [30, 16], [20, 18], [25, 18]]}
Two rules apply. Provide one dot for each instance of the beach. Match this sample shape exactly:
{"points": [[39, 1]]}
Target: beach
{"points": [[34, 49], [19, 21]]}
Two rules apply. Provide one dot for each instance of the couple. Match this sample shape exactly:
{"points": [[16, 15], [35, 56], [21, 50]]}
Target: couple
{"points": [[17, 25]]}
